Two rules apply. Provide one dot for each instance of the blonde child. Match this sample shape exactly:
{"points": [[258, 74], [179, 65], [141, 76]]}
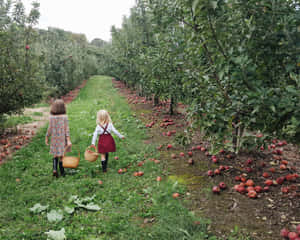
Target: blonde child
{"points": [[59, 132], [106, 143]]}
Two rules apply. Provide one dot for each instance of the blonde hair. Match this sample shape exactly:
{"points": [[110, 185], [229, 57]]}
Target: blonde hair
{"points": [[103, 117]]}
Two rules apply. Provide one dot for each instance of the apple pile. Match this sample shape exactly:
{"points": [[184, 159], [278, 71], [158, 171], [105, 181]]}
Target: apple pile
{"points": [[167, 122]]}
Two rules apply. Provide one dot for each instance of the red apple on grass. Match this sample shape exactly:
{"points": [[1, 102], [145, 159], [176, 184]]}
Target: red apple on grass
{"points": [[175, 195]]}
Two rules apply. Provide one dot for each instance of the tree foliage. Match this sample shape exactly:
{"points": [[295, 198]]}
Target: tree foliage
{"points": [[35, 63], [234, 62]]}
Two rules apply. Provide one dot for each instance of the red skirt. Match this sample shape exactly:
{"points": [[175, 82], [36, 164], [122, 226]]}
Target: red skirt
{"points": [[106, 144]]}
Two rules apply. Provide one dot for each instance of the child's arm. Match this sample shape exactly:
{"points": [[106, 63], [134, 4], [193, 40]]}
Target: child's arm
{"points": [[116, 132], [49, 130], [69, 143], [95, 135]]}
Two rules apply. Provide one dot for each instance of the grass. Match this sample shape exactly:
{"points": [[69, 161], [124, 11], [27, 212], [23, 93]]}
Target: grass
{"points": [[12, 121], [37, 114], [126, 202]]}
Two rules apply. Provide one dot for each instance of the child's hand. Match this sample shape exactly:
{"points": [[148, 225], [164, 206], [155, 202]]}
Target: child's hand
{"points": [[46, 141], [123, 137]]}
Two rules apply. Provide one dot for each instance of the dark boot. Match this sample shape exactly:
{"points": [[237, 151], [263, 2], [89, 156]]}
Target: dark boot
{"points": [[61, 169], [106, 161], [55, 160], [104, 166]]}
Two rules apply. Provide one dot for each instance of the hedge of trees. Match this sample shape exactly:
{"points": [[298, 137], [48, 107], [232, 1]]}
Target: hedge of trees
{"points": [[35, 63], [235, 63]]}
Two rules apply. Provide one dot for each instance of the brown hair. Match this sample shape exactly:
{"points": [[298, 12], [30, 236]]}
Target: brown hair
{"points": [[58, 107]]}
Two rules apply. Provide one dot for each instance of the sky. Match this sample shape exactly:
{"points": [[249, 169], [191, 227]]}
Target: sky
{"points": [[93, 18]]}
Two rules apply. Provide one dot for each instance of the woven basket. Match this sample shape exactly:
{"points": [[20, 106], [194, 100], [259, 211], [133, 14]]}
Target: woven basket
{"points": [[90, 155], [70, 161]]}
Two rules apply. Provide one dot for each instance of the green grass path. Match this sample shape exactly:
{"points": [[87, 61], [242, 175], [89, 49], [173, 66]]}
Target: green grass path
{"points": [[125, 201]]}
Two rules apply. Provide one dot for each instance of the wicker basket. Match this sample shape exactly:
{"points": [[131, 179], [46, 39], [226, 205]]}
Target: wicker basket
{"points": [[70, 161], [90, 155]]}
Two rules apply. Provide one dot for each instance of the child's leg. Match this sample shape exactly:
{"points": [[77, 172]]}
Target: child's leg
{"points": [[55, 160], [61, 168], [102, 155], [106, 161]]}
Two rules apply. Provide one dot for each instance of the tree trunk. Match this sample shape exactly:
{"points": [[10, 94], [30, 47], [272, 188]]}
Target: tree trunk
{"points": [[172, 103], [156, 100]]}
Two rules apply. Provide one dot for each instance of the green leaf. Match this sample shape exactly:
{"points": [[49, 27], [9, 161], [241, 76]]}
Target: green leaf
{"points": [[56, 235], [273, 108], [194, 6], [38, 208], [214, 4], [55, 216]]}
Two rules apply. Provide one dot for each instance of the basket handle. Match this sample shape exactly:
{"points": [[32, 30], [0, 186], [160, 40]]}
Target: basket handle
{"points": [[67, 148], [92, 146]]}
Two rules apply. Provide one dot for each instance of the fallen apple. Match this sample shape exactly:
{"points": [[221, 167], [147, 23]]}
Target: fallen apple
{"points": [[175, 195], [169, 146], [249, 183], [222, 185], [216, 189], [190, 161], [252, 194], [268, 182], [292, 235], [284, 232]]}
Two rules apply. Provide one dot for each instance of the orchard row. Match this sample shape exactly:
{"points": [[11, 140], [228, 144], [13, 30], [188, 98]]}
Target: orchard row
{"points": [[234, 63]]}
